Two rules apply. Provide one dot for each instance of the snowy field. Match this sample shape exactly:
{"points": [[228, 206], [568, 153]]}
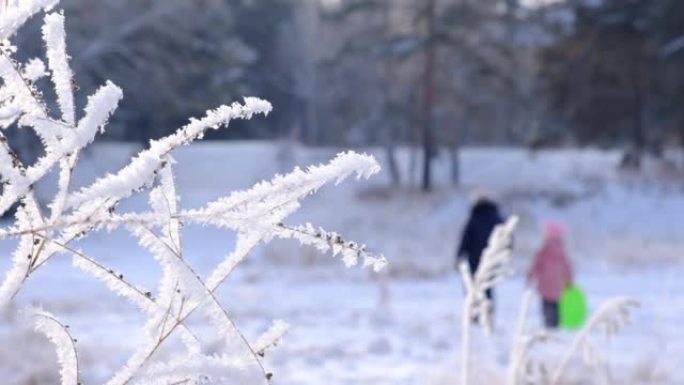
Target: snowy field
{"points": [[400, 327]]}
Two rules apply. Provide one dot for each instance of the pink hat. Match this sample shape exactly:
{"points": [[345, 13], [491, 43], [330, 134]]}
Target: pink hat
{"points": [[553, 228]]}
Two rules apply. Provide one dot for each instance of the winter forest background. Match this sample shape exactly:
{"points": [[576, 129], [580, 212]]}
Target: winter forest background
{"points": [[571, 110], [355, 72]]}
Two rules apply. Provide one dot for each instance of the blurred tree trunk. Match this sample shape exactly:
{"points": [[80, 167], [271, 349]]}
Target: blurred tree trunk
{"points": [[455, 165], [681, 133], [413, 166], [307, 76], [633, 159], [428, 97], [390, 152], [388, 121]]}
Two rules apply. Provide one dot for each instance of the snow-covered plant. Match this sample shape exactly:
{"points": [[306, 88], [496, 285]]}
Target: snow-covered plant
{"points": [[256, 215], [520, 344], [610, 318], [523, 369], [494, 267]]}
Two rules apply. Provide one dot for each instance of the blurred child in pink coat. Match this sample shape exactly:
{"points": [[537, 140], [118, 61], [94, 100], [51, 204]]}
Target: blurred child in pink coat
{"points": [[551, 272]]}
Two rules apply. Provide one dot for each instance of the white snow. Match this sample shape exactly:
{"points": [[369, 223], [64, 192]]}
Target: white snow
{"points": [[356, 327]]}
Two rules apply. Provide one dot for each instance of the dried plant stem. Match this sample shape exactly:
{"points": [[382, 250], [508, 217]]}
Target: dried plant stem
{"points": [[617, 307], [142, 295], [518, 345], [466, 320], [209, 295]]}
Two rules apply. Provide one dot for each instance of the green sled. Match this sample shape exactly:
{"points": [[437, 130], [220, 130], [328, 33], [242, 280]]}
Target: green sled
{"points": [[572, 308]]}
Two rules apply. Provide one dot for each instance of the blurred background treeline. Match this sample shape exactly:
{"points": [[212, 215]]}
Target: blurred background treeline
{"points": [[432, 74]]}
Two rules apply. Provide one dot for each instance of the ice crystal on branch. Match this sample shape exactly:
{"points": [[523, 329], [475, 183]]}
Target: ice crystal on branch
{"points": [[257, 215]]}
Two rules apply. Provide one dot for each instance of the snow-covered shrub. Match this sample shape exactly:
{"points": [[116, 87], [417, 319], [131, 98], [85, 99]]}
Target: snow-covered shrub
{"points": [[256, 215]]}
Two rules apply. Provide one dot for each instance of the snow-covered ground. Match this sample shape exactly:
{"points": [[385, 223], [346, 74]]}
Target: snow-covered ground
{"points": [[401, 327]]}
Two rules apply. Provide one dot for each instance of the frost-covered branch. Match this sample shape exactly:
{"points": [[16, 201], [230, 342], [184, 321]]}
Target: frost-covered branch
{"points": [[145, 165], [59, 335], [257, 215], [16, 14], [271, 337], [331, 241], [21, 99], [100, 106], [62, 78]]}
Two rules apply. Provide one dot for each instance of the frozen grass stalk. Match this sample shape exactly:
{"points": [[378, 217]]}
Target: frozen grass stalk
{"points": [[494, 267], [612, 316]]}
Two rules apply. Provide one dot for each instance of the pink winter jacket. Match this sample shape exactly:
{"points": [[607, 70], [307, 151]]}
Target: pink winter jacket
{"points": [[551, 271]]}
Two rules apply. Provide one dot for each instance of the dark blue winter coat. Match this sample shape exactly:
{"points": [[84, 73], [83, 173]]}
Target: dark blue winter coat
{"points": [[483, 218]]}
